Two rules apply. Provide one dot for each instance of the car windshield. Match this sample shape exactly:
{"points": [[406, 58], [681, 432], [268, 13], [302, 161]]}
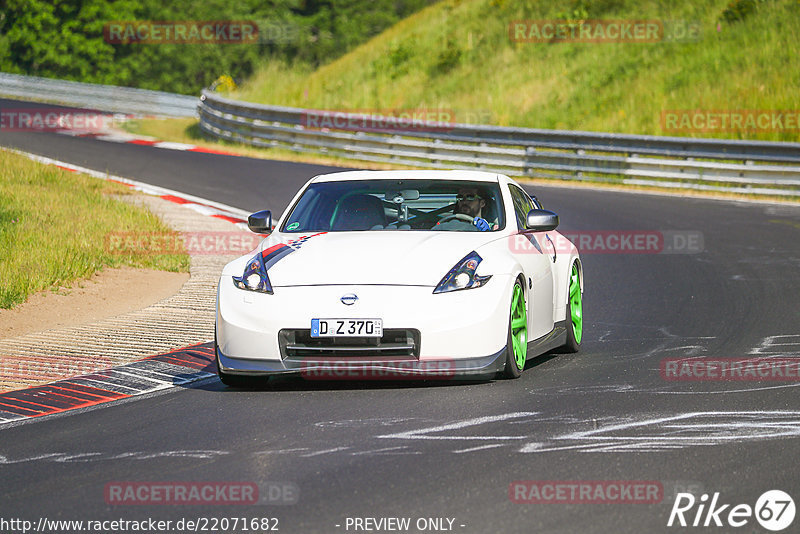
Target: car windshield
{"points": [[433, 205]]}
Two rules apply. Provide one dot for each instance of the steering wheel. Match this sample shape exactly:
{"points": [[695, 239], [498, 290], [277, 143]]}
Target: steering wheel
{"points": [[460, 216]]}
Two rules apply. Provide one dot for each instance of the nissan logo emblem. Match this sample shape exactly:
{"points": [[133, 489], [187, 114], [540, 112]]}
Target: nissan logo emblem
{"points": [[349, 299]]}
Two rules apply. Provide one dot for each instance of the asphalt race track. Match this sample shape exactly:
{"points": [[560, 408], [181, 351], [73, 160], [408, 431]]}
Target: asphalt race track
{"points": [[452, 449], [213, 178]]}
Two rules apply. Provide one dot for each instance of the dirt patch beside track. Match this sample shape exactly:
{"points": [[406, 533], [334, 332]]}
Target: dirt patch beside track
{"points": [[179, 313], [109, 293]]}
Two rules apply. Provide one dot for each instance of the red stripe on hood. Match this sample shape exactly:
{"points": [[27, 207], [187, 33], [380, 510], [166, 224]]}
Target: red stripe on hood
{"points": [[272, 249]]}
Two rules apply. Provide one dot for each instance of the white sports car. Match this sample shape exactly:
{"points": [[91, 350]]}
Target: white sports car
{"points": [[389, 274]]}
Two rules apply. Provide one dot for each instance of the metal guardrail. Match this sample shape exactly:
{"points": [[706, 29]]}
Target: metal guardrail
{"points": [[102, 97], [756, 167]]}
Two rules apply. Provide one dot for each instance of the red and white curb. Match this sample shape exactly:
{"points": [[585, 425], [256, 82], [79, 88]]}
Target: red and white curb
{"points": [[155, 373], [122, 137], [160, 372], [203, 206]]}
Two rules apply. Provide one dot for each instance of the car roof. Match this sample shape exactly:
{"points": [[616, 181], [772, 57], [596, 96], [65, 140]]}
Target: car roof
{"points": [[476, 176]]}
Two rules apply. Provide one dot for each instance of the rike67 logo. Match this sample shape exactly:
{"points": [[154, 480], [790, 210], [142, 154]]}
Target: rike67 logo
{"points": [[774, 510]]}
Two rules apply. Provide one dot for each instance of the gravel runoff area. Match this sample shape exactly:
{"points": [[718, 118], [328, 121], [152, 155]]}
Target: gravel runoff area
{"points": [[183, 319]]}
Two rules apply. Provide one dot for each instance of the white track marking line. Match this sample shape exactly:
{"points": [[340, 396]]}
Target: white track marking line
{"points": [[420, 433], [326, 451], [173, 146], [479, 448], [770, 342], [709, 428], [283, 451], [378, 451], [103, 384]]}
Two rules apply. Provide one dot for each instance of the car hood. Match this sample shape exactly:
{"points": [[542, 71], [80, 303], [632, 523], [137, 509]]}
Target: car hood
{"points": [[370, 257]]}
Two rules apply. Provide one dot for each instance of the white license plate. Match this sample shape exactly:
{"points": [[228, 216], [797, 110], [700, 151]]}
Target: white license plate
{"points": [[346, 327]]}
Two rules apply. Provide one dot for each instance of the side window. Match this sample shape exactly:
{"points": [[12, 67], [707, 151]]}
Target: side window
{"points": [[532, 204], [522, 205]]}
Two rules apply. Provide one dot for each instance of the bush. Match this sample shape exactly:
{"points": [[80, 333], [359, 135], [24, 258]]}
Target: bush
{"points": [[64, 39], [738, 10]]}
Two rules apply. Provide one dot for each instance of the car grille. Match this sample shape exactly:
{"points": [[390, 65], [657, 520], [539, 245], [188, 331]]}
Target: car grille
{"points": [[395, 342]]}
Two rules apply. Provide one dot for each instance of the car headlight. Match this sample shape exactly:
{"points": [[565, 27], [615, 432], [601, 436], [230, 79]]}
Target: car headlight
{"points": [[254, 277], [463, 276]]}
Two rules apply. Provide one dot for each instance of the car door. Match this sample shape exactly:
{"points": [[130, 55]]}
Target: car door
{"points": [[537, 256]]}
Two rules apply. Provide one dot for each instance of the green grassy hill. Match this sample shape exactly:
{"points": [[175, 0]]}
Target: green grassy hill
{"points": [[458, 55]]}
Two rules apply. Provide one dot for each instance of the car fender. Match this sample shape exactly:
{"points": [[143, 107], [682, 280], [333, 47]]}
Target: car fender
{"points": [[497, 259], [561, 270]]}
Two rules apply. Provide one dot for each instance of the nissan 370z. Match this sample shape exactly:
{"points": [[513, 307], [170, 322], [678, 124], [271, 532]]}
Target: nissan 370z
{"points": [[400, 273]]}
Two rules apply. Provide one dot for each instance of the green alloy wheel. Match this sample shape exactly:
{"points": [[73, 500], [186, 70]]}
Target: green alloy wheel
{"points": [[517, 346], [574, 311]]}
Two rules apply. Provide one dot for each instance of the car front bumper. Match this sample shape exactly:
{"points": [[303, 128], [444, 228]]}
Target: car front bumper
{"points": [[460, 333]]}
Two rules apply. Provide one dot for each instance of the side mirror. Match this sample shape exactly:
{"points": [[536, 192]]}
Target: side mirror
{"points": [[541, 220], [260, 222]]}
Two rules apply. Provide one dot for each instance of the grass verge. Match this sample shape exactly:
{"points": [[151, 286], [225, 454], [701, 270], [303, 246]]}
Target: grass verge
{"points": [[458, 55], [54, 226]]}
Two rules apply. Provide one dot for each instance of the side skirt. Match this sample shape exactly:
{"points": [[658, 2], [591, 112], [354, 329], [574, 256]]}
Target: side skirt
{"points": [[552, 340]]}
